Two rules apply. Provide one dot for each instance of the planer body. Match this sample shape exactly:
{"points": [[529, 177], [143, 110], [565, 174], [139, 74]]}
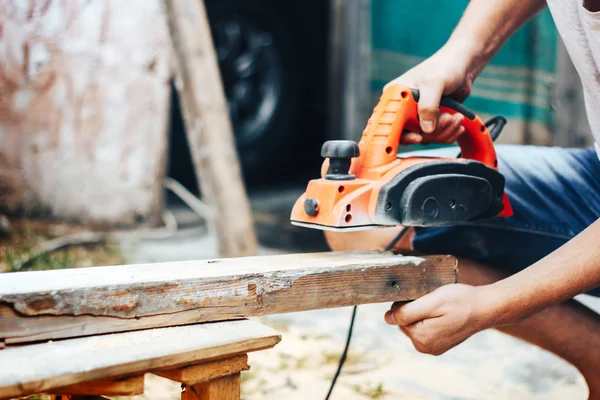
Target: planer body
{"points": [[366, 185]]}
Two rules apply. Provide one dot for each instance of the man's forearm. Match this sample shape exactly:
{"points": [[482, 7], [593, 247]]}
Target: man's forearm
{"points": [[572, 269], [486, 25]]}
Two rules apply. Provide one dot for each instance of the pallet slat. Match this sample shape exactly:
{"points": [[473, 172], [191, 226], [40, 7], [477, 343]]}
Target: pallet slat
{"points": [[43, 305], [39, 368]]}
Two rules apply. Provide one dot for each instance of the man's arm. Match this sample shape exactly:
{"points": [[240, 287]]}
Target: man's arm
{"points": [[487, 24], [450, 314], [484, 27], [572, 269]]}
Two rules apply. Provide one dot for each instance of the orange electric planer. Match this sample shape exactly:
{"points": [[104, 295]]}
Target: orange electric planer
{"points": [[367, 185]]}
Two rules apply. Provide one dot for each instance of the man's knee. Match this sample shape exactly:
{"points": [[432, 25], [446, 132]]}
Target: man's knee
{"points": [[477, 273], [373, 239]]}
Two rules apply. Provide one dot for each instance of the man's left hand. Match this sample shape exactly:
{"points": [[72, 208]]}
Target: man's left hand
{"points": [[442, 319]]}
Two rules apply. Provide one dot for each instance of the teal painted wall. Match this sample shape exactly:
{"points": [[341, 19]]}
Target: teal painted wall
{"points": [[518, 81]]}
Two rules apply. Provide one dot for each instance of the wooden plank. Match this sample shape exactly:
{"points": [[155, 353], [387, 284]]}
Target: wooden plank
{"points": [[225, 388], [208, 127], [130, 386], [84, 104], [198, 373], [85, 301], [43, 367]]}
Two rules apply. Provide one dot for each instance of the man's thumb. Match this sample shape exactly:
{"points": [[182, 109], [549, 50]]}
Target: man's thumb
{"points": [[429, 103]]}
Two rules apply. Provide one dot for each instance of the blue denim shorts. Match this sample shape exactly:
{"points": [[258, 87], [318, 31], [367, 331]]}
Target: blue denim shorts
{"points": [[555, 194]]}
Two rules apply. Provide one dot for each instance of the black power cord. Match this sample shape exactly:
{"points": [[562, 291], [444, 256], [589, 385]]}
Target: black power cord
{"points": [[344, 354], [389, 247]]}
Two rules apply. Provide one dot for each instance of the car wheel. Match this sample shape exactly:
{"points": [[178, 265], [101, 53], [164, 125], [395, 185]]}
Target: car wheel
{"points": [[257, 51]]}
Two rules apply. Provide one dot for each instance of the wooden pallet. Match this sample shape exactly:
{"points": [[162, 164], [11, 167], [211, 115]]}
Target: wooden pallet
{"points": [[97, 331], [206, 358]]}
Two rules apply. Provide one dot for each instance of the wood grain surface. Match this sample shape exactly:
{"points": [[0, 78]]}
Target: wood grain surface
{"points": [[55, 304]]}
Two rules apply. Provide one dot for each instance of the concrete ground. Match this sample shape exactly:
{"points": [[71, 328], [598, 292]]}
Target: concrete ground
{"points": [[382, 362]]}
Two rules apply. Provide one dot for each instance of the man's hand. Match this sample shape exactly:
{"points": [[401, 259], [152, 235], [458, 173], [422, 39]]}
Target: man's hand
{"points": [[442, 319], [433, 81], [482, 30]]}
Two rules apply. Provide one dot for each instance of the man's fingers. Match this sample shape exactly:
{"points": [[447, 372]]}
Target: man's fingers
{"points": [[407, 313], [405, 331], [452, 127], [444, 121], [455, 135], [447, 130], [429, 103], [411, 138], [390, 315]]}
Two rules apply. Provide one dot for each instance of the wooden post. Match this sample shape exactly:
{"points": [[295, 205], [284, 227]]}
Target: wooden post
{"points": [[208, 127], [335, 69], [350, 101], [225, 388], [216, 380]]}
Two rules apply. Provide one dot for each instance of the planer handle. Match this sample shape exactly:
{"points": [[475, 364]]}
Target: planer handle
{"points": [[397, 112]]}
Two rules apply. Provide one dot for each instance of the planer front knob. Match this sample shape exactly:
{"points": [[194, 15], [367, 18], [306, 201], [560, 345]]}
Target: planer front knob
{"points": [[340, 154]]}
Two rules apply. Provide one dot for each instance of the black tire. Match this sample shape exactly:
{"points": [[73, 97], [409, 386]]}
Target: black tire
{"points": [[266, 100]]}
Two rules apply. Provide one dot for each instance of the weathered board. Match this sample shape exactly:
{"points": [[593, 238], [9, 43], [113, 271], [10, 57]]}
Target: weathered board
{"points": [[208, 128], [84, 107], [55, 304], [42, 367]]}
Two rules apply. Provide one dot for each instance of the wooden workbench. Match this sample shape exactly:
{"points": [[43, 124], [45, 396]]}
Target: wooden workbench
{"points": [[96, 331]]}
